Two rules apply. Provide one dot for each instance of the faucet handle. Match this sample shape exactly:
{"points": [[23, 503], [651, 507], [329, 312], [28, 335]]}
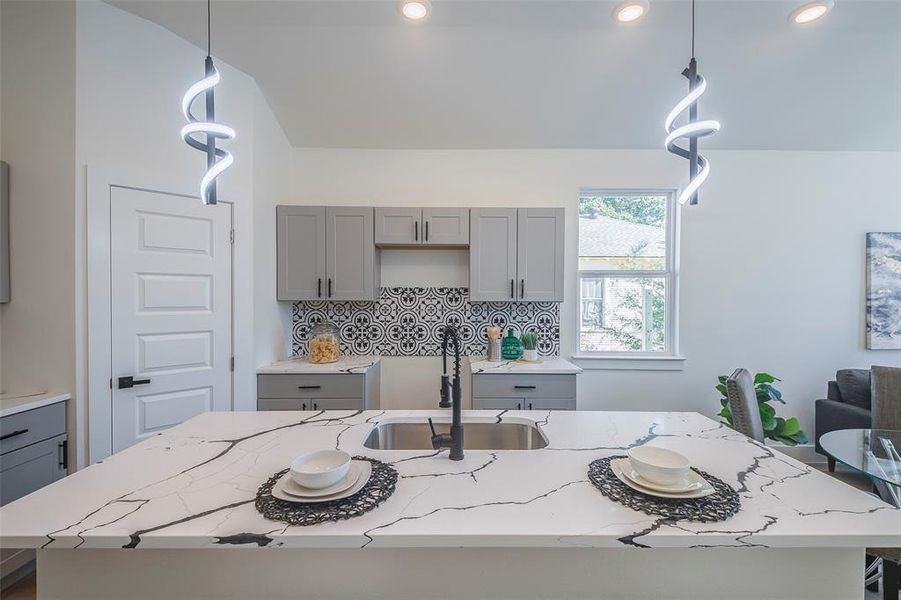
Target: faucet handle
{"points": [[440, 440], [432, 427]]}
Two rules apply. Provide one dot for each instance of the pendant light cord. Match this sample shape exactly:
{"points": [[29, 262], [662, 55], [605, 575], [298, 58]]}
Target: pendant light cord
{"points": [[692, 28], [208, 43]]}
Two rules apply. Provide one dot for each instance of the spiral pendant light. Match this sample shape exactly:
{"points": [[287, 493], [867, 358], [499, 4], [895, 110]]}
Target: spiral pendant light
{"points": [[202, 135], [698, 166]]}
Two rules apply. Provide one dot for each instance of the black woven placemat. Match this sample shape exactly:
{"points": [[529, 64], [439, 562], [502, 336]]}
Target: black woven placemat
{"points": [[379, 488], [715, 507]]}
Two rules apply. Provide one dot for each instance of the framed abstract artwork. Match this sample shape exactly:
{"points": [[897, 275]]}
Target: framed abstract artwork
{"points": [[884, 290]]}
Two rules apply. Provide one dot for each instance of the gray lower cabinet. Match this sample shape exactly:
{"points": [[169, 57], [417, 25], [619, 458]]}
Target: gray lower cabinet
{"points": [[516, 254], [33, 450], [340, 391], [31, 468], [523, 392], [326, 253]]}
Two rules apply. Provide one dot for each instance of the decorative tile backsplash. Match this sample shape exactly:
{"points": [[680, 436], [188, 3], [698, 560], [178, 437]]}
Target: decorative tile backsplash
{"points": [[408, 322]]}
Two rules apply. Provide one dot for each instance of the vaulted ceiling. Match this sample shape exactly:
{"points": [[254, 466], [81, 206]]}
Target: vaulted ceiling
{"points": [[557, 73]]}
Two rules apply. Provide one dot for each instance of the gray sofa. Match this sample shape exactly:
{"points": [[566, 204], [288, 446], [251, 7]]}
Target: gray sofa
{"points": [[847, 405]]}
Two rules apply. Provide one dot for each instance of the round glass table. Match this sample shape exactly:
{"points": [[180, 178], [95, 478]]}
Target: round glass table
{"points": [[873, 452]]}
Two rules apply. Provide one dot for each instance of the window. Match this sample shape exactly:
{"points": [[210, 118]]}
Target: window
{"points": [[626, 273]]}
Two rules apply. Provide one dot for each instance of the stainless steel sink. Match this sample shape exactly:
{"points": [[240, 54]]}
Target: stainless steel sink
{"points": [[414, 434]]}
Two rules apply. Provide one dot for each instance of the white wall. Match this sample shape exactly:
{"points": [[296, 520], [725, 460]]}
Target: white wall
{"points": [[37, 112], [272, 186], [131, 76], [772, 260]]}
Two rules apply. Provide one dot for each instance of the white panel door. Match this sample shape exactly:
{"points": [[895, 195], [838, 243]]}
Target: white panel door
{"points": [[170, 261]]}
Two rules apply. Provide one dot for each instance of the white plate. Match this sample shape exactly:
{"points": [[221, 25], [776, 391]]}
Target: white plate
{"points": [[617, 466], [290, 486], [692, 481], [278, 490]]}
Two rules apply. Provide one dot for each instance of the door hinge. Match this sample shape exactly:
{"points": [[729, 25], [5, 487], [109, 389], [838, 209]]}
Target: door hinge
{"points": [[232, 367], [231, 236]]}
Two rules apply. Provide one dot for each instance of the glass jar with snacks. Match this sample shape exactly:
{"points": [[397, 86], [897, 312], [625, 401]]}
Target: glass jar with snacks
{"points": [[324, 344]]}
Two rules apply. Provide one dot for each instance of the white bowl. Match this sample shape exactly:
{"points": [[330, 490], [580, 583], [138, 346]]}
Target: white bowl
{"points": [[659, 465], [320, 469]]}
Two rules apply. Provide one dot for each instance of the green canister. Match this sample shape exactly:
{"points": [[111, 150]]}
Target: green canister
{"points": [[511, 349]]}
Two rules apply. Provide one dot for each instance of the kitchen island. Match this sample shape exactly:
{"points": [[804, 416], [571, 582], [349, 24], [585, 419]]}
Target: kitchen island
{"points": [[174, 517]]}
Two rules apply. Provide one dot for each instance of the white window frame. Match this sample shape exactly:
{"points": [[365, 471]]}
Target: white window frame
{"points": [[669, 358]]}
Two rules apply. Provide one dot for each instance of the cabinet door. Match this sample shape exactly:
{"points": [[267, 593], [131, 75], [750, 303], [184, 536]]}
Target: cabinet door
{"points": [[498, 404], [337, 404], [32, 467], [284, 404], [350, 254], [300, 233], [398, 226], [550, 404], [492, 254], [445, 226], [540, 254]]}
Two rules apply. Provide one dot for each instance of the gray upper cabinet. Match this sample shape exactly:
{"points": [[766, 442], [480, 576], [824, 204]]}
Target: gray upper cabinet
{"points": [[445, 226], [398, 226], [422, 226], [492, 254], [516, 254], [326, 253], [301, 252], [539, 257], [350, 257]]}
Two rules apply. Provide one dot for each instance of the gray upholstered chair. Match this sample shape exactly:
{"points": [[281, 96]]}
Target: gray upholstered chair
{"points": [[743, 404]]}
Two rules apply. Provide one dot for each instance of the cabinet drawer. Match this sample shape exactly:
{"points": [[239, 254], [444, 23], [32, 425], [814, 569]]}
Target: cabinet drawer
{"points": [[524, 386], [22, 429], [310, 404], [28, 469], [310, 386], [550, 404], [498, 404]]}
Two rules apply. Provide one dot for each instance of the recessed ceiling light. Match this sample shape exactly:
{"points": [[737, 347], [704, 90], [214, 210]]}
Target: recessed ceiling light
{"points": [[414, 10], [810, 12], [630, 11]]}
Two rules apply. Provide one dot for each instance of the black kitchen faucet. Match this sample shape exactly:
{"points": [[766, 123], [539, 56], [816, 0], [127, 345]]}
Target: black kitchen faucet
{"points": [[454, 439]]}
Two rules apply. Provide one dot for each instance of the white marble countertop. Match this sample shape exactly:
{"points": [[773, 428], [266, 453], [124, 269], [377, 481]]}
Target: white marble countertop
{"points": [[553, 365], [301, 366], [11, 404], [194, 485]]}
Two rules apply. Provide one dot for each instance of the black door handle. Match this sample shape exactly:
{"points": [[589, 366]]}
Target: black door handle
{"points": [[512, 288], [530, 406], [309, 387], [426, 231], [524, 387], [522, 289], [416, 231], [329, 287], [315, 406], [319, 288], [13, 434], [130, 382]]}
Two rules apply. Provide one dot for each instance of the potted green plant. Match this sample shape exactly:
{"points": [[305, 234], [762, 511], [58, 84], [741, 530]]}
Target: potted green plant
{"points": [[788, 431], [529, 341]]}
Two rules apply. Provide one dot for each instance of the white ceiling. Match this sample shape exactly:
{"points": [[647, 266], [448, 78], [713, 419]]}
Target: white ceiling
{"points": [[557, 73]]}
